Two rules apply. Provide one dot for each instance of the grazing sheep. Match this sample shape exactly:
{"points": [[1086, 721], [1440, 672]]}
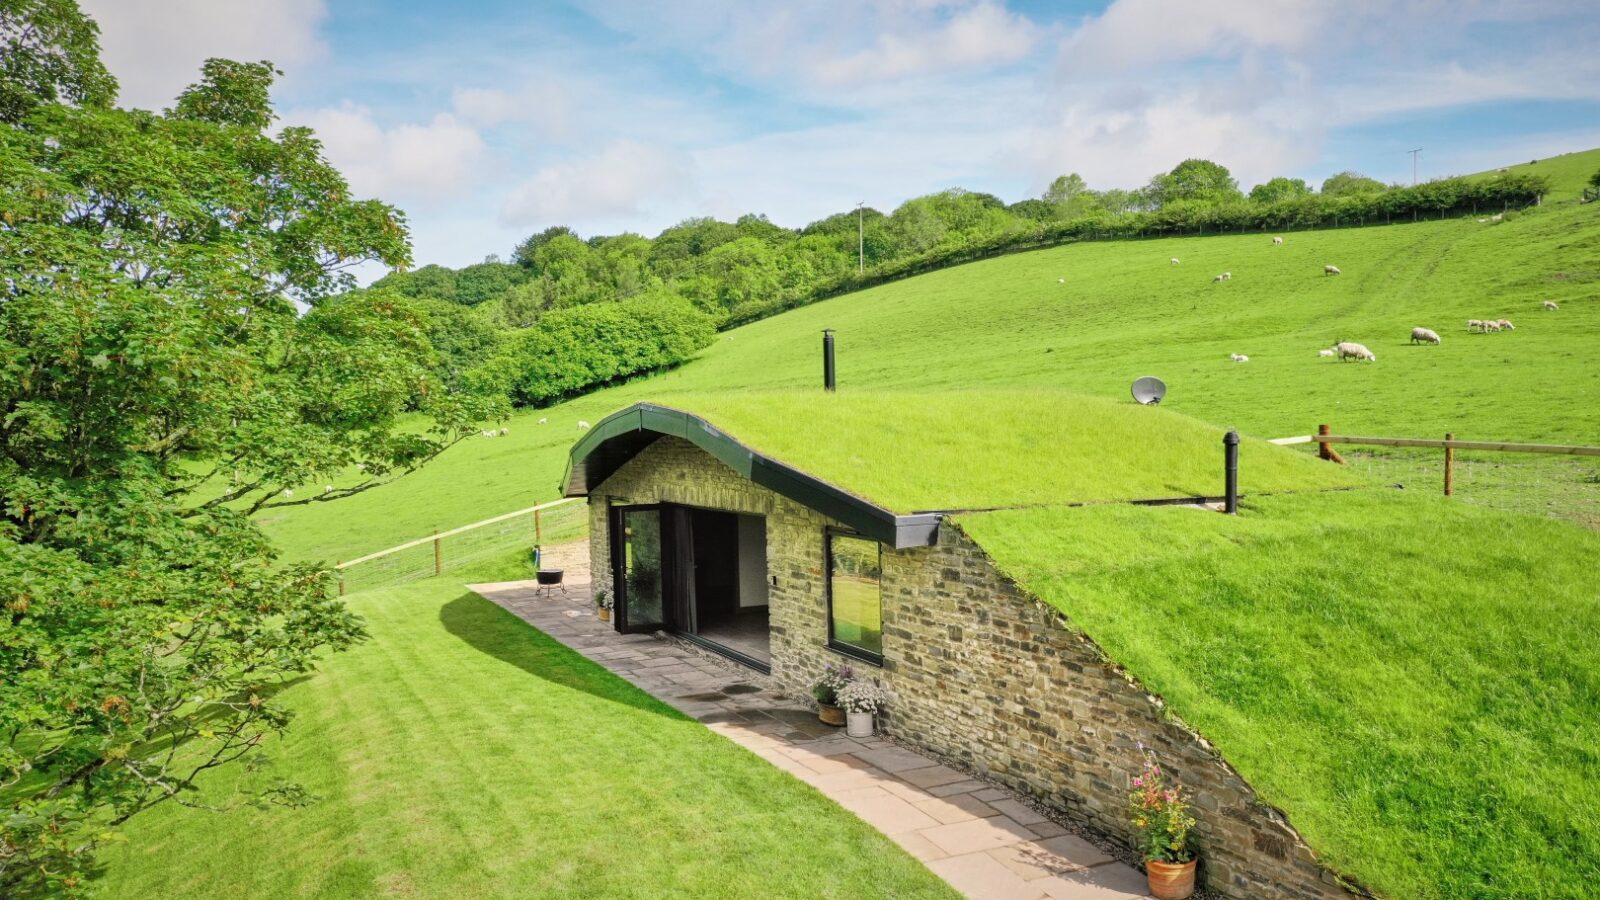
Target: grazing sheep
{"points": [[1331, 270], [1350, 350], [327, 489], [1474, 325], [288, 493], [1227, 276], [1497, 217], [1490, 325], [1550, 305], [544, 421], [1424, 336], [1506, 324], [505, 431], [1277, 240], [582, 425], [1481, 221], [1238, 357], [1218, 278], [486, 433], [1327, 352], [1174, 260]]}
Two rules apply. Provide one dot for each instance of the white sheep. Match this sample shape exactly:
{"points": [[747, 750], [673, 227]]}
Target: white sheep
{"points": [[1061, 281], [1350, 350], [1227, 276], [582, 425], [1238, 357], [1327, 352], [545, 421], [1331, 270], [486, 433], [1474, 325], [505, 431], [1218, 278], [327, 489], [1497, 217], [1550, 306], [288, 493], [1174, 260], [1277, 240], [1481, 221], [1490, 325], [1506, 324], [1424, 336]]}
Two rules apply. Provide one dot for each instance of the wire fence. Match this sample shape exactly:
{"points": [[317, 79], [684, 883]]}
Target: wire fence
{"points": [[1562, 482], [436, 554]]}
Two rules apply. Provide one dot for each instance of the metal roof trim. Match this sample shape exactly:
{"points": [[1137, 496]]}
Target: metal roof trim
{"points": [[872, 520]]}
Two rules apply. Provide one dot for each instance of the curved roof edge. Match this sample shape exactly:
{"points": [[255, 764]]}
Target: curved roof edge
{"points": [[621, 436]]}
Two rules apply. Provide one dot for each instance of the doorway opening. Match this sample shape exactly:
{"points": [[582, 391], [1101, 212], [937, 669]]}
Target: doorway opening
{"points": [[700, 573]]}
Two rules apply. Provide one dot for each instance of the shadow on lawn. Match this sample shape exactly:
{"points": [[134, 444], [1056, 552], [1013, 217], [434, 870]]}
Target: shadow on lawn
{"points": [[491, 630]]}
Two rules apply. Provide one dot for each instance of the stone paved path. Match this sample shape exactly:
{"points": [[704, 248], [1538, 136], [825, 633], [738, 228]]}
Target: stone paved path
{"points": [[981, 839]]}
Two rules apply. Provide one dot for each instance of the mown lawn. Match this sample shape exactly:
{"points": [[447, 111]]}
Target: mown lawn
{"points": [[1123, 312], [461, 753], [1413, 680]]}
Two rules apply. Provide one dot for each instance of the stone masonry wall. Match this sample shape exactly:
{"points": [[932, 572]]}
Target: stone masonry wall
{"points": [[985, 675]]}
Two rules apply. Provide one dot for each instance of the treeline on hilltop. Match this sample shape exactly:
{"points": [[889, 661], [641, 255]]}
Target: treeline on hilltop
{"points": [[566, 314]]}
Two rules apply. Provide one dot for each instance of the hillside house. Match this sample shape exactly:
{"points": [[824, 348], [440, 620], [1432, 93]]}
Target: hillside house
{"points": [[795, 531]]}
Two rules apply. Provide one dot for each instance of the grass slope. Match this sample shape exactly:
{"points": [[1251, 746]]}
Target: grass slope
{"points": [[1569, 173], [981, 449], [1413, 680], [463, 754], [1123, 312]]}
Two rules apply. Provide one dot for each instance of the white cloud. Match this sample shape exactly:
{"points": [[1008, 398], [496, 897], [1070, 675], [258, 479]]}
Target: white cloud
{"points": [[984, 35], [155, 47], [408, 161], [547, 105], [623, 179]]}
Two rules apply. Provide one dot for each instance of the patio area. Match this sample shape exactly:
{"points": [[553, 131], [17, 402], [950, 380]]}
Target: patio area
{"points": [[981, 839]]}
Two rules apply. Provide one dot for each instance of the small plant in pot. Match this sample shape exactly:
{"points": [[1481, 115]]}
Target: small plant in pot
{"points": [[1160, 813], [861, 701], [602, 605], [826, 691]]}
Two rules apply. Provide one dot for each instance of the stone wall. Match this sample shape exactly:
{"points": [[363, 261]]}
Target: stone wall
{"points": [[984, 675]]}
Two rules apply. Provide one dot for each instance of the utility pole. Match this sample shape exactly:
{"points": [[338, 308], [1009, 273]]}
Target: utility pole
{"points": [[1414, 164], [861, 238]]}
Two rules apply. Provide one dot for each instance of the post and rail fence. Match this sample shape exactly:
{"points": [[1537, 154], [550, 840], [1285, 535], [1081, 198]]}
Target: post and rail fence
{"points": [[443, 551], [1557, 480]]}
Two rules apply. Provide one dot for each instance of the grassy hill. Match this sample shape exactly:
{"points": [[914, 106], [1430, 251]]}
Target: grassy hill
{"points": [[1412, 679], [1569, 173], [1089, 318]]}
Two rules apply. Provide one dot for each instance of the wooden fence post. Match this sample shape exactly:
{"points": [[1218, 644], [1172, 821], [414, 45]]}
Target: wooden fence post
{"points": [[538, 535], [1325, 449], [438, 554], [1449, 465], [339, 574]]}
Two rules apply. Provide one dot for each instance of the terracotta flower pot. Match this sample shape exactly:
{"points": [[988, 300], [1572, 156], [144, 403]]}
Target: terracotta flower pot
{"points": [[830, 714], [1170, 881]]}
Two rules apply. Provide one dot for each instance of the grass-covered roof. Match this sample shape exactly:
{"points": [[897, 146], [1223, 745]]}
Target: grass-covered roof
{"points": [[1413, 680], [983, 449]]}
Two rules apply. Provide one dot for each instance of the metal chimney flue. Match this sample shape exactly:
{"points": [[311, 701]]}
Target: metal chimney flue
{"points": [[828, 381], [1230, 456]]}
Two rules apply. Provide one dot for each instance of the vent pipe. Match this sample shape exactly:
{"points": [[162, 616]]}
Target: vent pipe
{"points": [[828, 382], [1230, 457]]}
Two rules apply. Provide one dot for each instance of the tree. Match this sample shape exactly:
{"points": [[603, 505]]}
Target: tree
{"points": [[1348, 183], [1070, 195], [1280, 189], [523, 255], [1195, 179], [158, 386], [49, 52], [1594, 180]]}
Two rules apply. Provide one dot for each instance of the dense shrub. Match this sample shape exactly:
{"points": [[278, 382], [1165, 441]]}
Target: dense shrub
{"points": [[573, 350]]}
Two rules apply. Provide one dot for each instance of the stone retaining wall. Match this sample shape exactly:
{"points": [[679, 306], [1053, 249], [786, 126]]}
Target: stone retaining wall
{"points": [[984, 674]]}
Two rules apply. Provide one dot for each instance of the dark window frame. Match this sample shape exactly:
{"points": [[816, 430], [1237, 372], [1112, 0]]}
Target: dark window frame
{"points": [[837, 646]]}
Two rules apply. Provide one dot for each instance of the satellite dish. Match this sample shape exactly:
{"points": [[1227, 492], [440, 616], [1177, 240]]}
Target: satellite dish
{"points": [[1149, 390]]}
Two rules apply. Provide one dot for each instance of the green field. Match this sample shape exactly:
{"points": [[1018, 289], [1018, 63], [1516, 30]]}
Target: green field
{"points": [[461, 753], [1413, 680], [1124, 312]]}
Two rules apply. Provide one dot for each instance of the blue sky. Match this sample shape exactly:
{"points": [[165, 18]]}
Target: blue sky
{"points": [[491, 120]]}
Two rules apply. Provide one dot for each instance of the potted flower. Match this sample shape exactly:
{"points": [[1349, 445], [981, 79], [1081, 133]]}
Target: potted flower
{"points": [[1160, 814], [826, 690], [861, 701], [602, 605]]}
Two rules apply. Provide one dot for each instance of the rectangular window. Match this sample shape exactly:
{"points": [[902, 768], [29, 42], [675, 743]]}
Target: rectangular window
{"points": [[855, 596]]}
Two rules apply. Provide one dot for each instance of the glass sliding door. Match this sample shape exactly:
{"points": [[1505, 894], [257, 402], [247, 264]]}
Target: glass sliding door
{"points": [[639, 563]]}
